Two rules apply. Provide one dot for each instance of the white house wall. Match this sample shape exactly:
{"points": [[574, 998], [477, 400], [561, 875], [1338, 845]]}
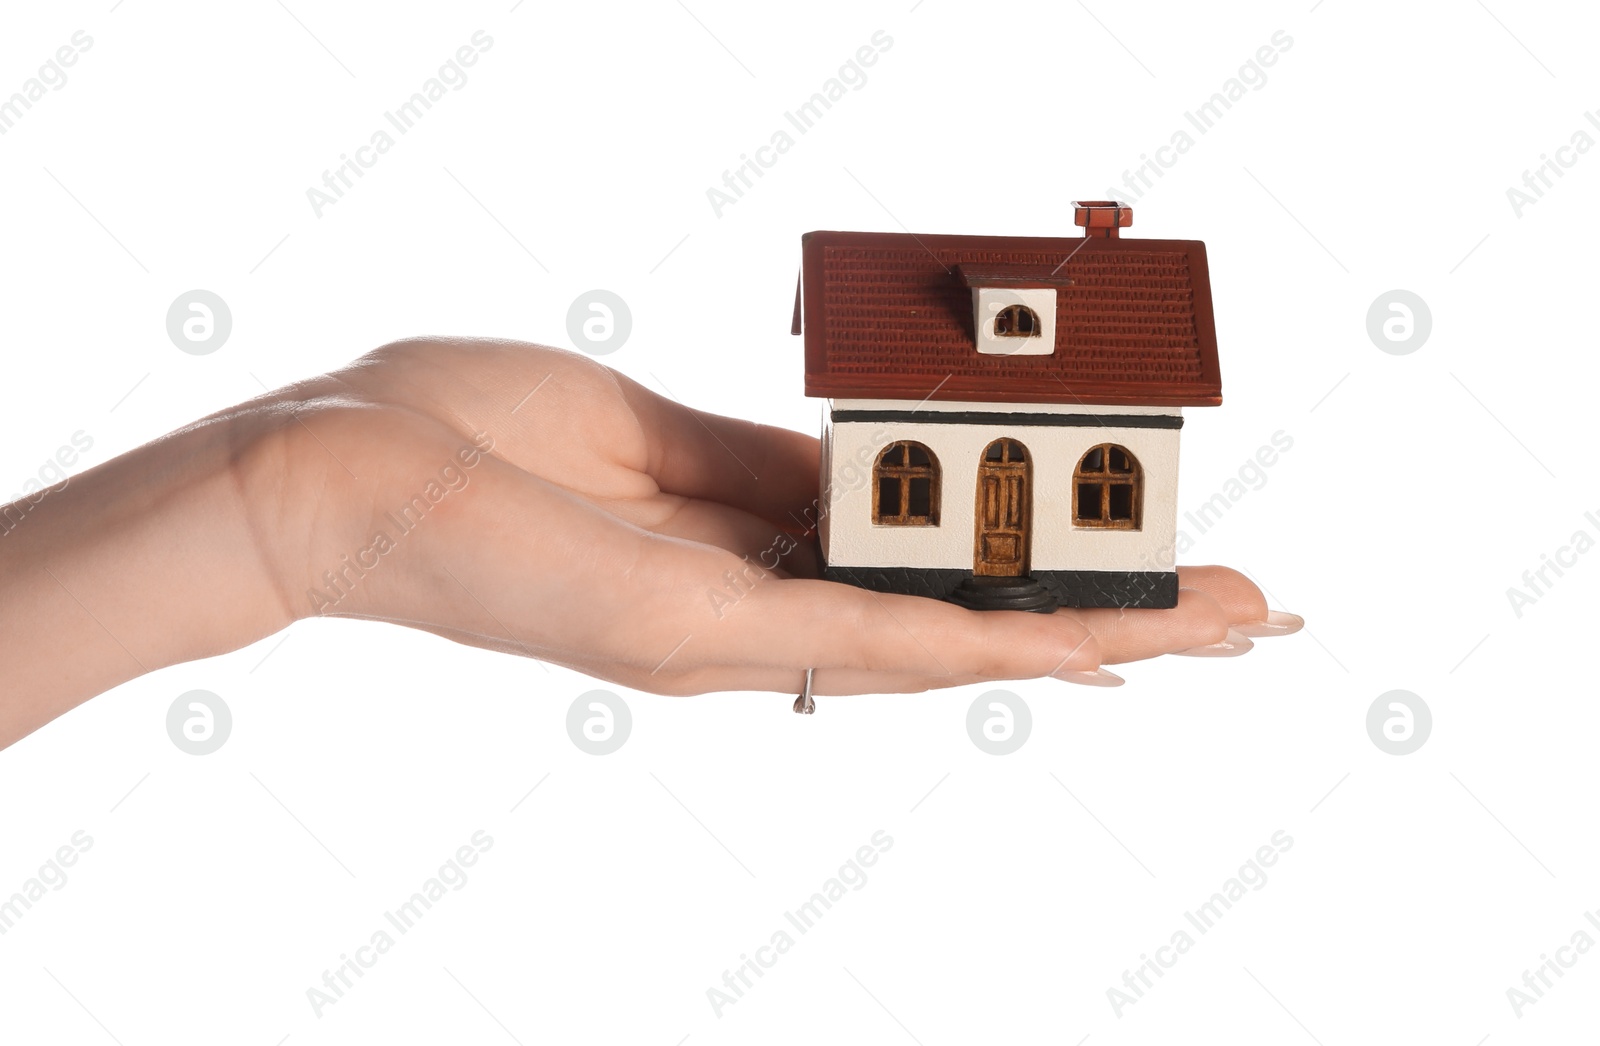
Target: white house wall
{"points": [[826, 484], [850, 538]]}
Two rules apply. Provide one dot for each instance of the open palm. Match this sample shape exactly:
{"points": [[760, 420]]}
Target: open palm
{"points": [[531, 500]]}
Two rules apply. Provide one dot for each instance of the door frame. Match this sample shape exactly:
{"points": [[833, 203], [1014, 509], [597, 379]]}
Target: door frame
{"points": [[1022, 469]]}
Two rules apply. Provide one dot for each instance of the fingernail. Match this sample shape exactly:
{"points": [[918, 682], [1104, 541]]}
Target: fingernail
{"points": [[1099, 677], [1233, 646], [1277, 623]]}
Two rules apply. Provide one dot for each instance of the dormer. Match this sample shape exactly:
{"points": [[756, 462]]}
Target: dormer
{"points": [[1013, 308]]}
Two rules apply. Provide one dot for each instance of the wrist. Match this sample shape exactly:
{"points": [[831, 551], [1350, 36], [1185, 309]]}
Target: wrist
{"points": [[146, 561]]}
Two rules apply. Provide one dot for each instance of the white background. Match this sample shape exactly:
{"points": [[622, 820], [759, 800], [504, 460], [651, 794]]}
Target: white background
{"points": [[1377, 155]]}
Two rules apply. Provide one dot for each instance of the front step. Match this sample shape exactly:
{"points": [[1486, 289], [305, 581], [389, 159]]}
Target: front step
{"points": [[1003, 593]]}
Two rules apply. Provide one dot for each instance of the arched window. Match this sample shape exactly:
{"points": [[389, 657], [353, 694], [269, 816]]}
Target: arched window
{"points": [[905, 486], [1108, 489], [1017, 321], [1006, 452]]}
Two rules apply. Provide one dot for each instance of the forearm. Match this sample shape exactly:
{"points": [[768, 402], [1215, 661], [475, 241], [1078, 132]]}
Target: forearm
{"points": [[143, 562]]}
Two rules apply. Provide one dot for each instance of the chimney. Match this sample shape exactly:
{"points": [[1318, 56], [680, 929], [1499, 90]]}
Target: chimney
{"points": [[1101, 217]]}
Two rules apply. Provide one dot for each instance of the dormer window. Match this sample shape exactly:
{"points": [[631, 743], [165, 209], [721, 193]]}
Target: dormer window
{"points": [[1017, 321], [1012, 320]]}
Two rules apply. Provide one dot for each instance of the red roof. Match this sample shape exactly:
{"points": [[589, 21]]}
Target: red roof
{"points": [[889, 316]]}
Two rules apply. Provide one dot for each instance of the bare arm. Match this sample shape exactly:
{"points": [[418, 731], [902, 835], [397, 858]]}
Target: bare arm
{"points": [[518, 498]]}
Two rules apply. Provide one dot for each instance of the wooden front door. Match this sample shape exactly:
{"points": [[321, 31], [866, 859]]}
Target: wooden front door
{"points": [[1000, 548]]}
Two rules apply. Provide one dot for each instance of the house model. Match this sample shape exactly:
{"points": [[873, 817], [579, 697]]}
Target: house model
{"points": [[1003, 413]]}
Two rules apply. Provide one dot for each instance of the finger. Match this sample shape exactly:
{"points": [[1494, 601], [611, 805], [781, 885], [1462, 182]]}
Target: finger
{"points": [[789, 681], [1238, 596], [803, 624], [723, 678], [1133, 635], [763, 545], [835, 681], [735, 678], [768, 471]]}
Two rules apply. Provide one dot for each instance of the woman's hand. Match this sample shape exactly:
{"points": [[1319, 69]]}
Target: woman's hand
{"points": [[523, 499]]}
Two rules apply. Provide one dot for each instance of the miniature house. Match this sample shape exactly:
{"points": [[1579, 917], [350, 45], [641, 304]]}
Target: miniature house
{"points": [[1003, 413]]}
